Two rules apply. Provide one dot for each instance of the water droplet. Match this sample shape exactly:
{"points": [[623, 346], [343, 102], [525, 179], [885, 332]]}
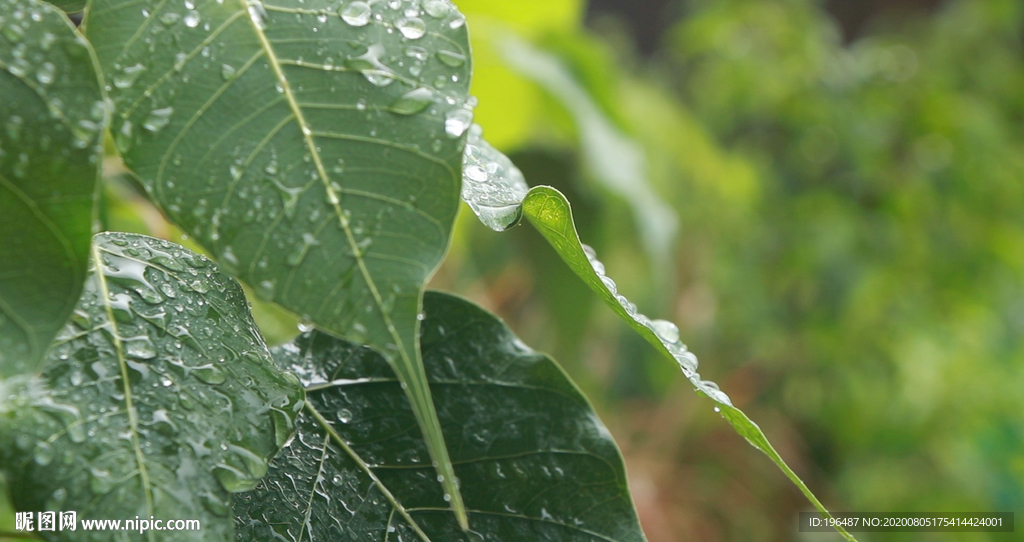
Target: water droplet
{"points": [[411, 27], [437, 8], [43, 454], [257, 13], [265, 290], [308, 240], [475, 173], [356, 13], [344, 415], [13, 32], [451, 58], [241, 470], [414, 101], [229, 260], [126, 77], [46, 73], [666, 330], [158, 119], [418, 53], [227, 71], [191, 19], [209, 373], [140, 347], [609, 283], [457, 122]]}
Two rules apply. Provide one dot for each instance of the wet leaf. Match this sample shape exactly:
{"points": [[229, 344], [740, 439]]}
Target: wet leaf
{"points": [[549, 211], [533, 460], [70, 6], [314, 147], [158, 399], [52, 115]]}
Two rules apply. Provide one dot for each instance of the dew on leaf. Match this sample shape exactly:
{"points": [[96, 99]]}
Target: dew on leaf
{"points": [[356, 13], [451, 58], [411, 27]]}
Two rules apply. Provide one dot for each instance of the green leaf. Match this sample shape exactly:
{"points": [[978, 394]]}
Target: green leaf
{"points": [[70, 6], [549, 211], [158, 399], [314, 147], [613, 159], [533, 459], [52, 116]]}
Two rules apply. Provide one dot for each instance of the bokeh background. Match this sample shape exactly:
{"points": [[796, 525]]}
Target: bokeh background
{"points": [[826, 197], [848, 178]]}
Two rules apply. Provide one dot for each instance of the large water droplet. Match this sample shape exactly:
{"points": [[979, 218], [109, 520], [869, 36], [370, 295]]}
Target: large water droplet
{"points": [[437, 8], [356, 13], [191, 19], [209, 373], [666, 330], [414, 101], [457, 122], [46, 73], [257, 13], [451, 58], [411, 27], [241, 470], [140, 347], [344, 415], [158, 119], [126, 77]]}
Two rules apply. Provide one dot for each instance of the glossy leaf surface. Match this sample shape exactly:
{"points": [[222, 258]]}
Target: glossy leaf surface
{"points": [[158, 399], [315, 147], [533, 460], [52, 116], [549, 211]]}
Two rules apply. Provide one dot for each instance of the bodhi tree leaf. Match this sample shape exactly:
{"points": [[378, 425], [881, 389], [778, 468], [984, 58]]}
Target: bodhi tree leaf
{"points": [[70, 6], [533, 459], [159, 398], [313, 146], [52, 116], [492, 186], [549, 211]]}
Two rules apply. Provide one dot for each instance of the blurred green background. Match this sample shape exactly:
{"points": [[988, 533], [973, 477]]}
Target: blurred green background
{"points": [[847, 182], [848, 179]]}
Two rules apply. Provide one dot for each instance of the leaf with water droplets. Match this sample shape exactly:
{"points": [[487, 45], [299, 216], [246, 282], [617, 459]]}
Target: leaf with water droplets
{"points": [[532, 458], [492, 186], [52, 116], [323, 168], [158, 399], [549, 211], [70, 6]]}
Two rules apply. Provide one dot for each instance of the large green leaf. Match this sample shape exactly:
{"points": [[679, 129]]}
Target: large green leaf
{"points": [[52, 115], [158, 399], [534, 461], [70, 6], [313, 146], [549, 211]]}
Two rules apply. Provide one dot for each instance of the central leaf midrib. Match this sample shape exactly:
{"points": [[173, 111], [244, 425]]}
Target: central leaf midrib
{"points": [[422, 395], [307, 137], [133, 422], [365, 467]]}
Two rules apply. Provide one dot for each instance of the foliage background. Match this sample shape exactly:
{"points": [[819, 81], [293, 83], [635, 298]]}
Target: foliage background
{"points": [[850, 267], [850, 263]]}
